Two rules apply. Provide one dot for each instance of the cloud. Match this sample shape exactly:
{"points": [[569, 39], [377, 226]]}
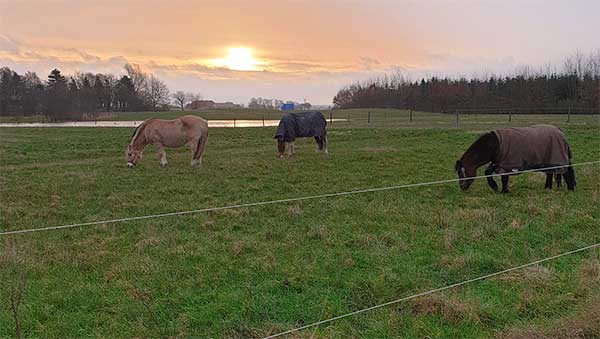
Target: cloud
{"points": [[8, 45], [451, 64], [23, 57], [299, 77], [369, 64]]}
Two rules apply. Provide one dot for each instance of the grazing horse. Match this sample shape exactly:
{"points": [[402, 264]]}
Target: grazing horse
{"points": [[189, 129], [509, 150], [301, 125]]}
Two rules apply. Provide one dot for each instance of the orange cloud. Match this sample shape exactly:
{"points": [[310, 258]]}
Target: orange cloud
{"points": [[321, 44]]}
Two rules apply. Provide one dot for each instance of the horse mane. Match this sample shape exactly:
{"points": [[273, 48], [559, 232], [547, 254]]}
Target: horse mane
{"points": [[137, 131]]}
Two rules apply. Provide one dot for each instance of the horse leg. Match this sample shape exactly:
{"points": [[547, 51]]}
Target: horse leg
{"points": [[504, 184], [570, 178], [324, 138], [490, 180], [548, 181], [198, 150], [290, 146], [558, 178], [162, 156], [320, 144]]}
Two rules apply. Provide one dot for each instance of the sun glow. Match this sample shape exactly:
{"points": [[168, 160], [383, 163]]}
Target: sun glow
{"points": [[238, 59]]}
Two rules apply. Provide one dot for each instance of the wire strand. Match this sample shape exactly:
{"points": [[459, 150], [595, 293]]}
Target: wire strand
{"points": [[431, 291], [270, 202]]}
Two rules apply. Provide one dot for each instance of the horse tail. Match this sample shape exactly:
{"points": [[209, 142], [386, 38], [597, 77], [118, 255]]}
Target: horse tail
{"points": [[324, 119], [201, 144], [570, 175]]}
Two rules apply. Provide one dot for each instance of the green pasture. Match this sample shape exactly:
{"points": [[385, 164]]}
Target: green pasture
{"points": [[361, 117], [251, 272]]}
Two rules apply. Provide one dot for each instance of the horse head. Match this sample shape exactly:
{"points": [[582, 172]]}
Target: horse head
{"points": [[464, 173], [281, 147], [482, 151], [132, 155]]}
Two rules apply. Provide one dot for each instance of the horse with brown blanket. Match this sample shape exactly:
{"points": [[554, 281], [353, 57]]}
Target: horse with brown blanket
{"points": [[510, 150], [189, 129], [301, 125]]}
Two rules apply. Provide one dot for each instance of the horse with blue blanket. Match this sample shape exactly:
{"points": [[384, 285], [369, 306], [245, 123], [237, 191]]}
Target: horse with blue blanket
{"points": [[301, 125]]}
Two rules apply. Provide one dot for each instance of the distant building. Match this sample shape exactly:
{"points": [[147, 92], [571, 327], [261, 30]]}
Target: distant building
{"points": [[207, 104], [227, 104], [287, 107], [200, 104]]}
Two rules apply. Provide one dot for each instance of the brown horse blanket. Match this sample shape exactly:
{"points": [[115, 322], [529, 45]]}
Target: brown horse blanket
{"points": [[538, 146], [300, 125]]}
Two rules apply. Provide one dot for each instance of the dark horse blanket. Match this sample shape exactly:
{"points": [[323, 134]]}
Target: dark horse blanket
{"points": [[532, 147], [299, 125]]}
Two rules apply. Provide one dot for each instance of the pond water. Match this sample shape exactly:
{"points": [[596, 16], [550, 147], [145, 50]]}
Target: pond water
{"points": [[211, 123]]}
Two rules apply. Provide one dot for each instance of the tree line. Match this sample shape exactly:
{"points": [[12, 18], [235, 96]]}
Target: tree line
{"points": [[265, 103], [576, 84], [62, 97]]}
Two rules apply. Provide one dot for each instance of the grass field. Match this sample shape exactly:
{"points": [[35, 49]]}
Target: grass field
{"points": [[250, 272], [360, 117]]}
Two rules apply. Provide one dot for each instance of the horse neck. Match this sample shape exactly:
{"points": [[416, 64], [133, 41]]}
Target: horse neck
{"points": [[481, 152], [139, 140], [474, 160]]}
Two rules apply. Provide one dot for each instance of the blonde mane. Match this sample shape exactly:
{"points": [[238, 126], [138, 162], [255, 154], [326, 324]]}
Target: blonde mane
{"points": [[137, 131]]}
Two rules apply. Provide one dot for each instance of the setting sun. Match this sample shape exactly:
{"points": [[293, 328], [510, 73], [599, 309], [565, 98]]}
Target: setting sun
{"points": [[238, 59]]}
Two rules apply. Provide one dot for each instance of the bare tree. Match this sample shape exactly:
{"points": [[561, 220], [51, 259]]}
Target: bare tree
{"points": [[156, 92], [181, 98], [194, 96], [138, 78]]}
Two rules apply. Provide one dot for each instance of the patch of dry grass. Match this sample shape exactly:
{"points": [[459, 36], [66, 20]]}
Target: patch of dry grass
{"points": [[533, 275], [585, 325], [449, 308]]}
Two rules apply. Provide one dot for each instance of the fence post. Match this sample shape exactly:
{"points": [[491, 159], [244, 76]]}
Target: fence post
{"points": [[569, 115], [509, 116], [233, 122], [369, 118], [410, 114], [456, 113], [331, 118], [263, 120]]}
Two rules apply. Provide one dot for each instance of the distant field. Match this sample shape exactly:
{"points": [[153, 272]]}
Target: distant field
{"points": [[378, 117], [250, 272]]}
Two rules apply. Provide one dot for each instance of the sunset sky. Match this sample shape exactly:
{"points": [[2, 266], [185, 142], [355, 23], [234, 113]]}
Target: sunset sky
{"points": [[291, 50]]}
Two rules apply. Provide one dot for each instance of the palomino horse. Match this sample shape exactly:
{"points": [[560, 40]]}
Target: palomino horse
{"points": [[517, 149], [301, 125], [189, 129]]}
